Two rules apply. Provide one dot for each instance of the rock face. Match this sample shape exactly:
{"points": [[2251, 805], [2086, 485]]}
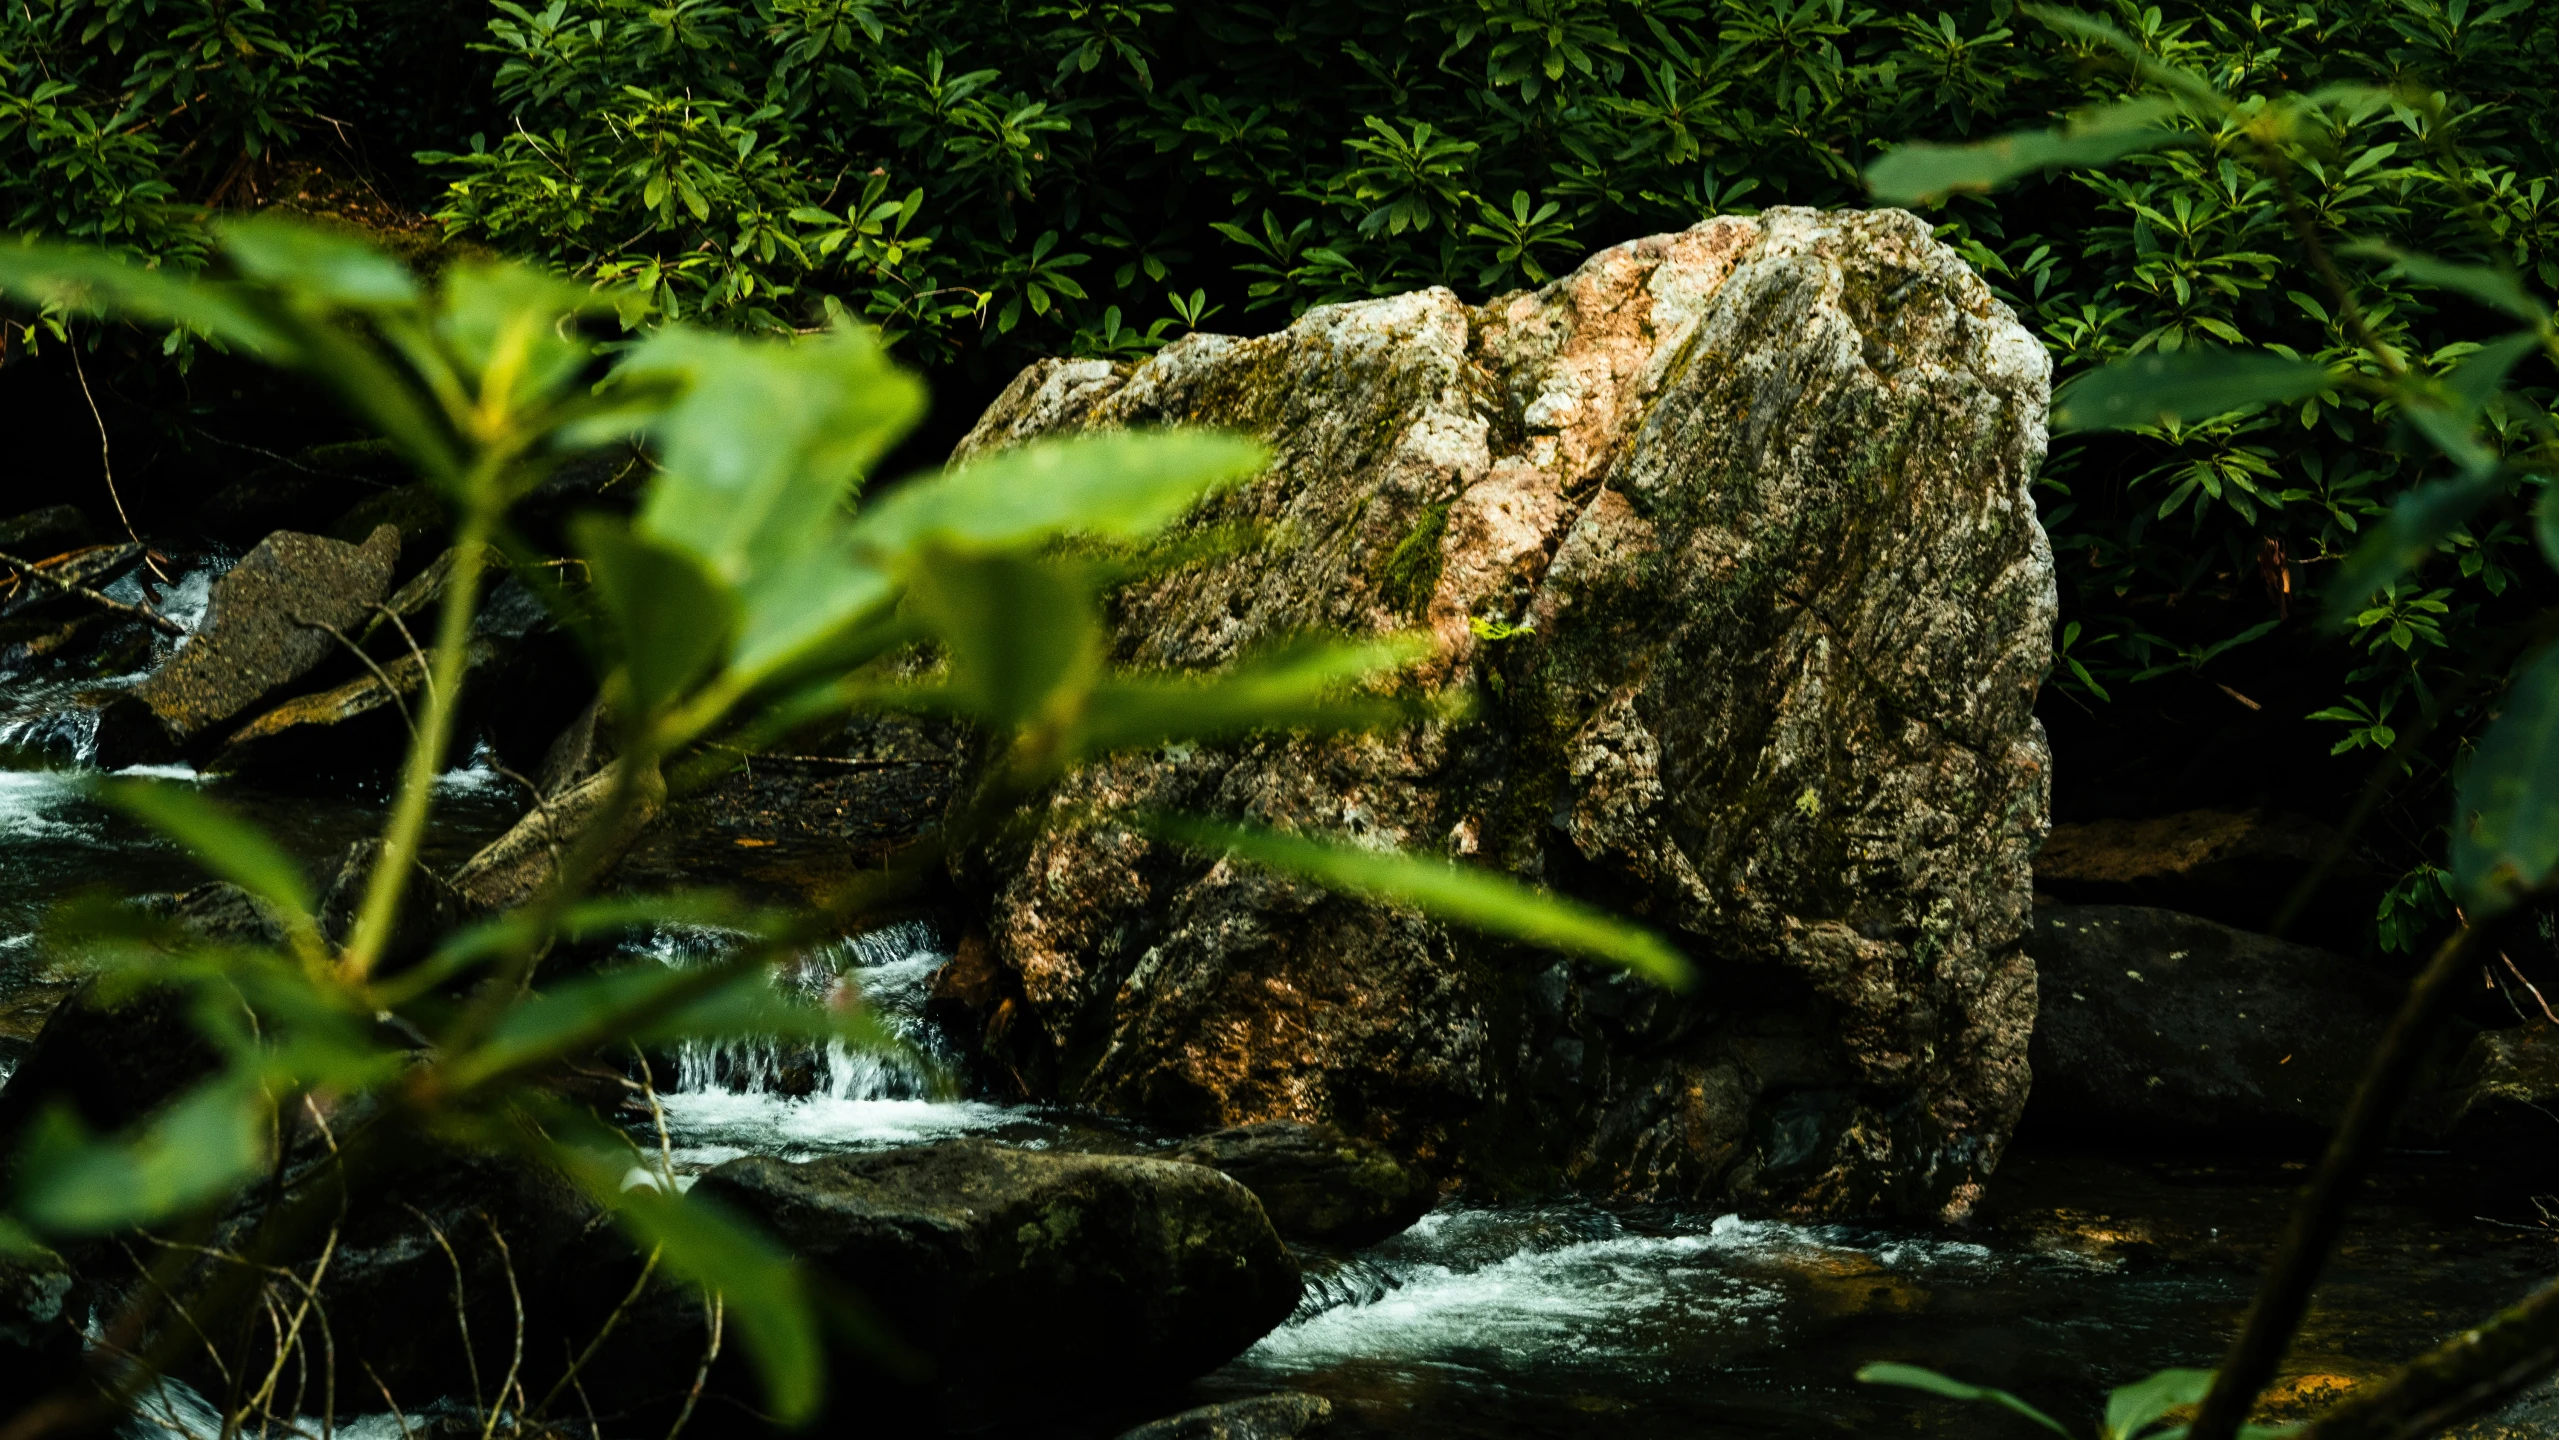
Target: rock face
{"points": [[1728, 536], [266, 626], [1028, 1282], [2163, 1026], [1317, 1183], [2240, 867], [2503, 1100]]}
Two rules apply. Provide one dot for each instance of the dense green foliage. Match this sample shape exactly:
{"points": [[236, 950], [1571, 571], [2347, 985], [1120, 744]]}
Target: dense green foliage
{"points": [[991, 181]]}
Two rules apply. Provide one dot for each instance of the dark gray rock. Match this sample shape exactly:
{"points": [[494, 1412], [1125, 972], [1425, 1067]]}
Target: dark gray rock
{"points": [[1028, 1282], [2158, 1026], [267, 626], [40, 1336], [2502, 1103], [48, 530], [1317, 1183], [2240, 867], [1283, 1416], [305, 491]]}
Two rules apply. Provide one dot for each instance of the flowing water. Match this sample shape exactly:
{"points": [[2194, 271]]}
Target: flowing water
{"points": [[1563, 1320]]}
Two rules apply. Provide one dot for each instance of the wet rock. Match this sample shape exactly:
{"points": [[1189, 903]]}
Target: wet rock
{"points": [[267, 626], [2502, 1103], [2240, 867], [304, 492], [1748, 507], [516, 866], [429, 910], [112, 1065], [2163, 1027], [1317, 1183], [1283, 1416], [1030, 1283], [793, 826], [48, 529], [365, 723], [40, 1338]]}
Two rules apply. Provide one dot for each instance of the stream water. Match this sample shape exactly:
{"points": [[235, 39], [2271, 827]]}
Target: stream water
{"points": [[1566, 1319]]}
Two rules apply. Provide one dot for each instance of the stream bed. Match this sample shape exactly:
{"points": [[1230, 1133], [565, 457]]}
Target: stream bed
{"points": [[1559, 1319]]}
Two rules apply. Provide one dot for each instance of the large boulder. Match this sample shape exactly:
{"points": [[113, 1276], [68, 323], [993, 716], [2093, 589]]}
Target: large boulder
{"points": [[2240, 867], [1728, 536], [268, 624], [1317, 1183], [1027, 1283], [2164, 1027], [2502, 1101]]}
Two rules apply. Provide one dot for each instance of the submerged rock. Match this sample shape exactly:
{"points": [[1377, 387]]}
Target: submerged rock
{"points": [[2503, 1100], [2165, 1027], [267, 625], [1028, 1283], [1728, 536], [2240, 867], [1317, 1183], [1283, 1416]]}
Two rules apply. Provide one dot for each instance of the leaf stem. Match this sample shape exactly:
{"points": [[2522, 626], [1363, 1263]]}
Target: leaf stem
{"points": [[2284, 1295], [400, 838]]}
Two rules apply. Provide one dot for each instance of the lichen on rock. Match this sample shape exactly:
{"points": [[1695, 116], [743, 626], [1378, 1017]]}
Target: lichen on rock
{"points": [[1737, 560]]}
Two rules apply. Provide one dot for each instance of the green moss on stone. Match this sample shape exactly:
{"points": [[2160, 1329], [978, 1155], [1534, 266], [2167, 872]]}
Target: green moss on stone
{"points": [[1412, 569]]}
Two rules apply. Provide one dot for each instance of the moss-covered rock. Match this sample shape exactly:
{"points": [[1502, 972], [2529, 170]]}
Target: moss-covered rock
{"points": [[1735, 550], [1317, 1183]]}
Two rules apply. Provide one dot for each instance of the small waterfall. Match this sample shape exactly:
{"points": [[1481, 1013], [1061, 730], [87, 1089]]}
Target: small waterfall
{"points": [[891, 970]]}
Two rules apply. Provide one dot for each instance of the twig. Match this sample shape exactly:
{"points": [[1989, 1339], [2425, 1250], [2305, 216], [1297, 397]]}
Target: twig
{"points": [[107, 463], [2284, 1296], [143, 613], [461, 1304], [515, 1362], [390, 686], [2528, 985], [425, 674], [405, 1432], [715, 1306]]}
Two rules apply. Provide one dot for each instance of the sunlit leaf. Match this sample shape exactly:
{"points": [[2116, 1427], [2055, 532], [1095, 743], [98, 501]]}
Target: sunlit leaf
{"points": [[1925, 173], [671, 618], [318, 261], [1477, 898], [2165, 387], [2420, 521], [2505, 824], [514, 328], [1917, 1378], [2492, 286], [89, 280], [2130, 1409], [1119, 485], [197, 1150]]}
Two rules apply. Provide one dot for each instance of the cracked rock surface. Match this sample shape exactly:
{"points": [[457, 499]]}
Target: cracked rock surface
{"points": [[1727, 537]]}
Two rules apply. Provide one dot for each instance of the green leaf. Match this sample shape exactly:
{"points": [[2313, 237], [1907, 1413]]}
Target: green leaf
{"points": [[760, 452], [226, 846], [515, 329], [2420, 521], [2165, 387], [1916, 1378], [1303, 686], [2492, 286], [198, 1150], [1926, 173], [1480, 899], [1120, 485], [671, 618], [89, 280], [2482, 373], [317, 261], [2505, 822], [2130, 1409], [651, 1002], [1023, 634]]}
